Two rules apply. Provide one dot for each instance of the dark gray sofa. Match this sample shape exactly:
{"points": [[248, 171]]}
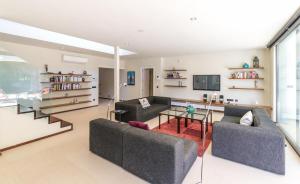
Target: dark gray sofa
{"points": [[155, 157], [261, 145], [137, 113]]}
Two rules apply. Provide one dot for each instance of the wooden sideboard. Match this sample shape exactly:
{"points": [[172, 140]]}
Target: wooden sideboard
{"points": [[215, 106]]}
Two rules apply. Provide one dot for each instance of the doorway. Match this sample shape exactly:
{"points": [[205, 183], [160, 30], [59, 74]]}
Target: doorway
{"points": [[147, 82], [106, 84]]}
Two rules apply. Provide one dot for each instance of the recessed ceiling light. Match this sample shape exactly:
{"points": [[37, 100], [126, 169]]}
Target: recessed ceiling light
{"points": [[193, 18]]}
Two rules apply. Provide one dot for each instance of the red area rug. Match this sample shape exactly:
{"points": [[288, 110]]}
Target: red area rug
{"points": [[192, 132]]}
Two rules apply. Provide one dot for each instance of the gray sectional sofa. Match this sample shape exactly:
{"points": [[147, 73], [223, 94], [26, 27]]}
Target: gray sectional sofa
{"points": [[154, 157], [261, 145], [137, 113]]}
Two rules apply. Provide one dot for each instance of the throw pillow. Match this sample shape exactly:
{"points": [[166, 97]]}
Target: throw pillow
{"points": [[144, 102], [247, 119], [139, 124]]}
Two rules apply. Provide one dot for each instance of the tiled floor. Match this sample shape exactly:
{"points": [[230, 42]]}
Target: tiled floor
{"points": [[65, 159]]}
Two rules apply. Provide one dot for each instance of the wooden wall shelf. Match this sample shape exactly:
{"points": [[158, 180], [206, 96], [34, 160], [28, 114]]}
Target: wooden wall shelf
{"points": [[201, 102], [246, 79], [65, 74], [65, 104], [66, 82], [259, 89], [71, 90], [176, 70], [65, 97], [175, 86], [177, 78], [240, 68]]}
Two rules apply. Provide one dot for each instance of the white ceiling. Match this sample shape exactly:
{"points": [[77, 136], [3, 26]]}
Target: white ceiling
{"points": [[159, 27]]}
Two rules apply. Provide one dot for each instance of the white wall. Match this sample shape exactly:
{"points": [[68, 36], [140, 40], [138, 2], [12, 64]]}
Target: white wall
{"points": [[208, 63], [137, 65], [18, 128], [39, 56]]}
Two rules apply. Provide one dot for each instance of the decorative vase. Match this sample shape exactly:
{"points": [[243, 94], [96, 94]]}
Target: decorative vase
{"points": [[245, 65], [190, 109]]}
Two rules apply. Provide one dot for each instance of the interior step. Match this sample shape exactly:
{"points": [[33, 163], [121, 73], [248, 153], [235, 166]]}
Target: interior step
{"points": [[23, 109], [39, 115], [53, 119], [63, 123]]}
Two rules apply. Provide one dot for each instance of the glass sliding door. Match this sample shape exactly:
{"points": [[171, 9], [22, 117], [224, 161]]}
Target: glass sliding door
{"points": [[288, 87]]}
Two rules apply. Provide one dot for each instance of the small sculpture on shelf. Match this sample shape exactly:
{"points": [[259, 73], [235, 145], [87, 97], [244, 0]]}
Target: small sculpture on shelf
{"points": [[46, 68], [84, 72], [255, 62], [246, 65]]}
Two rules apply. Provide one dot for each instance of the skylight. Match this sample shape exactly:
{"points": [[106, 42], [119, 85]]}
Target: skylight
{"points": [[7, 57], [17, 29]]}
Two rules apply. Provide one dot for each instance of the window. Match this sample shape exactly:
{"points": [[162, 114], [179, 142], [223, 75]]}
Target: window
{"points": [[288, 87]]}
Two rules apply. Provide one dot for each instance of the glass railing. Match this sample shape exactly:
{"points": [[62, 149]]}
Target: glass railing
{"points": [[18, 80]]}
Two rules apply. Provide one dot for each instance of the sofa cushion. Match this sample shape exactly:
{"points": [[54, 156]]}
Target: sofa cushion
{"points": [[190, 154], [139, 124], [235, 110], [256, 122], [150, 99], [231, 119], [247, 119], [144, 102], [263, 120], [155, 157], [106, 139]]}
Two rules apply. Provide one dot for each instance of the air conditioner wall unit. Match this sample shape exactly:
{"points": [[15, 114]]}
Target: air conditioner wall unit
{"points": [[74, 59]]}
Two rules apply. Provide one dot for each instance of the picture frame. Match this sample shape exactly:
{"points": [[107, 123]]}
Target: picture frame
{"points": [[131, 78]]}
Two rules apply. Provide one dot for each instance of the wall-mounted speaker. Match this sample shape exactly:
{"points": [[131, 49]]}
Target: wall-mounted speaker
{"points": [[205, 97], [221, 98]]}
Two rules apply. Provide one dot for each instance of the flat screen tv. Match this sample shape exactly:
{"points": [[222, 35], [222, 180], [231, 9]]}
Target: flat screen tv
{"points": [[206, 82]]}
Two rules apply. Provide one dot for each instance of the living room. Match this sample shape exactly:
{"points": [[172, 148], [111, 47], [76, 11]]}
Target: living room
{"points": [[109, 92]]}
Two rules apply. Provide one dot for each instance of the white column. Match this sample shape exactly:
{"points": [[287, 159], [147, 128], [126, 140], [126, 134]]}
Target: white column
{"points": [[117, 74]]}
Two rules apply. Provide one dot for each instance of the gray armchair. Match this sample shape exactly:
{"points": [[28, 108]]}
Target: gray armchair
{"points": [[261, 145]]}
